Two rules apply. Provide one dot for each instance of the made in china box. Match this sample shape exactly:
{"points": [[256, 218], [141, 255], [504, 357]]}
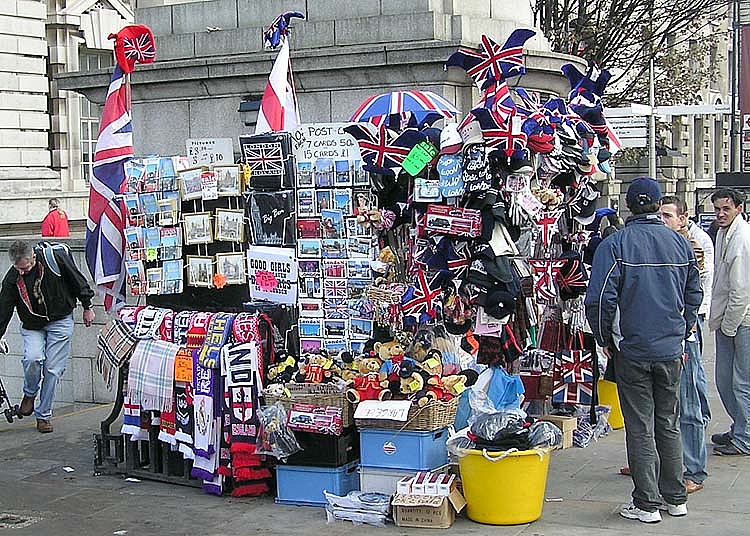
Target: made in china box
{"points": [[427, 511]]}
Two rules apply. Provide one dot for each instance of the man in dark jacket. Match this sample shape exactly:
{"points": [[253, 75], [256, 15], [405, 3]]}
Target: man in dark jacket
{"points": [[43, 289], [642, 303]]}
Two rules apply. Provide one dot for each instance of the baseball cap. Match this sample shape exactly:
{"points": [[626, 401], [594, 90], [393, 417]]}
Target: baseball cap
{"points": [[643, 191]]}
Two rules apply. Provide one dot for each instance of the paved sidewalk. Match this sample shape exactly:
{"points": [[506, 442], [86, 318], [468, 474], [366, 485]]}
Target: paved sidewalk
{"points": [[34, 485]]}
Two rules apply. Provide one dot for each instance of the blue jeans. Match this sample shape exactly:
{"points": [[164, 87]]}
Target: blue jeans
{"points": [[692, 417], [702, 383], [650, 402], [45, 356], [733, 383]]}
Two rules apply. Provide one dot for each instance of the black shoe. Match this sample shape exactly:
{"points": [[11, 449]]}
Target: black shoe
{"points": [[729, 450], [721, 439]]}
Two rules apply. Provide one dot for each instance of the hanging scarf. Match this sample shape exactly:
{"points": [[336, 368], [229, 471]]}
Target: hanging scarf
{"points": [[131, 419], [168, 427], [115, 344], [148, 321], [245, 327], [184, 417], [180, 325], [197, 327], [203, 409], [151, 374], [166, 328], [225, 455], [217, 332], [204, 467], [129, 315]]}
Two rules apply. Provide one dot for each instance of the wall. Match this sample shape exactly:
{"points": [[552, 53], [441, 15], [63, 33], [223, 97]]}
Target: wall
{"points": [[81, 382]]}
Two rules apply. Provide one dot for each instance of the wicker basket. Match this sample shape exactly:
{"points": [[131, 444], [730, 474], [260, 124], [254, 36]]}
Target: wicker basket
{"points": [[316, 394], [390, 293], [432, 416]]}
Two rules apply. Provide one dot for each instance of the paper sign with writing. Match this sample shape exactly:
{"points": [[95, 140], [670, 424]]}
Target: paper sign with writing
{"points": [[419, 156], [209, 186], [209, 151], [450, 172], [183, 366], [268, 264], [392, 410], [324, 140]]}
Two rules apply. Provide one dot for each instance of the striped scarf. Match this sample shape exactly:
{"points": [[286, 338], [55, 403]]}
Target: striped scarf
{"points": [[217, 333], [151, 374]]}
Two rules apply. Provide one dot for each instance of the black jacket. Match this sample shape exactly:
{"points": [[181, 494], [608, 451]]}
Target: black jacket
{"points": [[60, 294]]}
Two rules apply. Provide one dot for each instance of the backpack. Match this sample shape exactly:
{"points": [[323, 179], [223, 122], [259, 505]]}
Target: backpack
{"points": [[47, 251]]}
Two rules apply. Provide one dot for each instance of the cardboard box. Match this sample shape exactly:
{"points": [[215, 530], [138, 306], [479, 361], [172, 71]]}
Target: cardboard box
{"points": [[427, 511], [566, 426], [419, 483]]}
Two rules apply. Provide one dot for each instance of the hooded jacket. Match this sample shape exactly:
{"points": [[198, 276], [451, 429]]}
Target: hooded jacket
{"points": [[645, 290], [730, 303], [60, 294]]}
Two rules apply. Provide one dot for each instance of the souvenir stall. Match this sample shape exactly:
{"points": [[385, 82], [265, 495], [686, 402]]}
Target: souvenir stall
{"points": [[317, 319]]}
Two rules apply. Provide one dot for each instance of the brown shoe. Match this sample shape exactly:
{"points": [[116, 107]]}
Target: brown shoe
{"points": [[692, 487], [625, 471], [43, 427], [27, 406]]}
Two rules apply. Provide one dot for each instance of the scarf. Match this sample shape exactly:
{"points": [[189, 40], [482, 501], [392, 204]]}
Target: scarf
{"points": [[129, 315], [203, 409], [168, 427], [131, 420], [225, 455], [151, 374], [115, 344], [180, 325], [197, 327], [148, 322], [217, 332], [184, 417], [245, 327], [204, 467], [37, 291], [166, 328]]}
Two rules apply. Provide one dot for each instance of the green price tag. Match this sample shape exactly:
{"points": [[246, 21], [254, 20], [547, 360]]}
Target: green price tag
{"points": [[420, 155]]}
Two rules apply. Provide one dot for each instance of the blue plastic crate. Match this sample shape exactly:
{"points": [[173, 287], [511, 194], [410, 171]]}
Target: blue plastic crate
{"points": [[414, 451], [304, 486]]}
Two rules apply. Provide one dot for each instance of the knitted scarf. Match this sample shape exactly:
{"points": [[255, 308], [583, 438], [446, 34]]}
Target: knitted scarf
{"points": [[129, 315], [115, 344], [204, 467], [203, 410], [217, 332], [197, 327], [151, 374], [148, 322], [131, 420], [180, 326], [184, 418]]}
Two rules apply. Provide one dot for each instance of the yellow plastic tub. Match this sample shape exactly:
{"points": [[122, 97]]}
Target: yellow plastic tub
{"points": [[608, 397], [504, 488]]}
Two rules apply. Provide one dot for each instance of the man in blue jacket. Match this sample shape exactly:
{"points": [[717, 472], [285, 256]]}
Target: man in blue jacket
{"points": [[642, 303]]}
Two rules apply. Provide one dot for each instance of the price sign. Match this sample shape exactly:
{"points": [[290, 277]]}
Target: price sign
{"points": [[183, 366], [209, 151]]}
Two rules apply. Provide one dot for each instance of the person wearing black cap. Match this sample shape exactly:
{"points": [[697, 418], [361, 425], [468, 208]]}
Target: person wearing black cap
{"points": [[642, 303]]}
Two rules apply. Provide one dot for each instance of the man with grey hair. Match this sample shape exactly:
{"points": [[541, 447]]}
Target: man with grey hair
{"points": [[42, 286]]}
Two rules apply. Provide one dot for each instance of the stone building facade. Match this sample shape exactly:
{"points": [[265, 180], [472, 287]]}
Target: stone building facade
{"points": [[47, 135]]}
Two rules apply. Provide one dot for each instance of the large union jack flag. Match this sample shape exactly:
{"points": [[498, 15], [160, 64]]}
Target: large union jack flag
{"points": [[264, 159], [503, 133], [106, 220]]}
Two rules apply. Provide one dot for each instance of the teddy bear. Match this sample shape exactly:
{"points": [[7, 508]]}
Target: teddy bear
{"points": [[349, 368], [413, 384], [317, 368], [456, 384], [367, 386], [283, 371], [391, 353]]}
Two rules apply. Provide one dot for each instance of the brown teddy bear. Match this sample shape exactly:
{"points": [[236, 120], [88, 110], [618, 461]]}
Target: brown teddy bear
{"points": [[456, 384], [349, 366], [391, 353], [317, 368], [367, 386], [412, 385]]}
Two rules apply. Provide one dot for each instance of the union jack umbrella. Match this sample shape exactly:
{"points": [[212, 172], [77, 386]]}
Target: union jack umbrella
{"points": [[134, 44], [421, 301], [493, 60], [546, 271], [499, 132], [421, 104], [380, 147], [547, 224]]}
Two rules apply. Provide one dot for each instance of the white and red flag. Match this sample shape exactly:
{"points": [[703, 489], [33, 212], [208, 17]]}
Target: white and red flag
{"points": [[278, 107]]}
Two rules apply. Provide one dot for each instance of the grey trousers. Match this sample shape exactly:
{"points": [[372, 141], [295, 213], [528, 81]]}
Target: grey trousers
{"points": [[650, 401]]}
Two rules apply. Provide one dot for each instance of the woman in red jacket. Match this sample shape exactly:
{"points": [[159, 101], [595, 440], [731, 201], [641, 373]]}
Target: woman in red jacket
{"points": [[56, 221]]}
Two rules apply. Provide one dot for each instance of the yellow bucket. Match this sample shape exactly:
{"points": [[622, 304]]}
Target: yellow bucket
{"points": [[608, 397], [504, 488]]}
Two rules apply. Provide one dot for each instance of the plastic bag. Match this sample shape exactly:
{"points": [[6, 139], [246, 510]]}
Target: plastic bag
{"points": [[360, 500], [274, 436], [334, 515], [544, 434], [459, 444], [494, 427]]}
